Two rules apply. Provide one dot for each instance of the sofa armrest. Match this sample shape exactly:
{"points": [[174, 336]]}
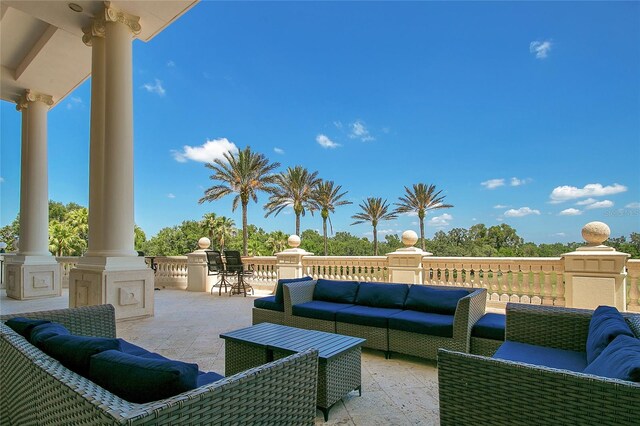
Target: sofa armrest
{"points": [[469, 310], [296, 293], [551, 326], [98, 320], [506, 392]]}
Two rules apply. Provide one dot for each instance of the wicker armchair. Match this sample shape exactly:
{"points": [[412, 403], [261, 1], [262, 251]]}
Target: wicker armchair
{"points": [[36, 389], [513, 393]]}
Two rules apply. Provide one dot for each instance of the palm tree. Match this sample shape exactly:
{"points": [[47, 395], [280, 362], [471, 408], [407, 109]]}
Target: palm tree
{"points": [[374, 210], [294, 188], [276, 242], [244, 173], [326, 197], [225, 229], [421, 199], [208, 223], [63, 240]]}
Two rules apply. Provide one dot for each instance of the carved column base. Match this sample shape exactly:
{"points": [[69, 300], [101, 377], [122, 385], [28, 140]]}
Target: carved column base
{"points": [[130, 291], [32, 277]]}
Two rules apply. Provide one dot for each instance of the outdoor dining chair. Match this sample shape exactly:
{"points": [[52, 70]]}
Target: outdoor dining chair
{"points": [[216, 266], [234, 265]]}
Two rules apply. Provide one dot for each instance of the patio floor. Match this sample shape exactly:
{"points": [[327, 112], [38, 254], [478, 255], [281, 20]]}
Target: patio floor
{"points": [[186, 326]]}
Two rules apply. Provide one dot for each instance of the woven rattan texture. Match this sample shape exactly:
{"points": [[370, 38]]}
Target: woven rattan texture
{"points": [[484, 347], [377, 337], [240, 357], [510, 393], [312, 324], [266, 315], [37, 390]]}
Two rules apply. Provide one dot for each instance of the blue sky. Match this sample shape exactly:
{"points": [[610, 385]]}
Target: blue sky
{"points": [[522, 113]]}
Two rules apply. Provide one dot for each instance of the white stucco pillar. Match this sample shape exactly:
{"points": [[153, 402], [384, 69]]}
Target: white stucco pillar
{"points": [[33, 272], [289, 261], [405, 264], [111, 271]]}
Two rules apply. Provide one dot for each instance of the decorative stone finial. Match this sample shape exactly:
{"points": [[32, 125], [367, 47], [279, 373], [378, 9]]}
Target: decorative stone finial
{"points": [[204, 243], [293, 241], [409, 238], [596, 233]]}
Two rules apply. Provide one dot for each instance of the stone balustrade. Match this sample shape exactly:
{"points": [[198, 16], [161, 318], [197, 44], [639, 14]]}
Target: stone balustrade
{"points": [[264, 269], [356, 268], [171, 271], [66, 264]]}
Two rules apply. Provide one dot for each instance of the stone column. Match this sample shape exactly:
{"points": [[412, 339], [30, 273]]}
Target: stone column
{"points": [[289, 261], [111, 271], [198, 278], [595, 274], [405, 264], [33, 272]]}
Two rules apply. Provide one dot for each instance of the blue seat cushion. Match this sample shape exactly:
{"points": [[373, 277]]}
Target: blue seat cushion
{"points": [[366, 315], [131, 349], [42, 332], [490, 326], [606, 324], [542, 355], [24, 326], [137, 379], [423, 323], [269, 303], [206, 378], [279, 295], [382, 295], [437, 301], [619, 360], [319, 309], [75, 352], [335, 291]]}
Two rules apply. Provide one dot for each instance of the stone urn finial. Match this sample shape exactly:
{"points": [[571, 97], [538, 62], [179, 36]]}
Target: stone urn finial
{"points": [[293, 241], [409, 238], [595, 233], [204, 243]]}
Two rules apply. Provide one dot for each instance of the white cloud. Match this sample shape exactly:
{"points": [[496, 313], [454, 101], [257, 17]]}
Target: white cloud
{"points": [[517, 182], [155, 88], [2, 180], [205, 153], [635, 205], [570, 212], [474, 219], [566, 192], [522, 211], [338, 124], [385, 232], [500, 206], [440, 221], [410, 214], [170, 195], [585, 202], [492, 183], [359, 131], [600, 205], [559, 234], [74, 102], [171, 64], [325, 142], [278, 150], [540, 48]]}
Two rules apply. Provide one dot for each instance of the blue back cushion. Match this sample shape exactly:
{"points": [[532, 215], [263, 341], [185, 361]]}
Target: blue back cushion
{"points": [[606, 324], [382, 295], [542, 355], [280, 290], [335, 291], [74, 352], [619, 360], [269, 303], [437, 301], [44, 331], [23, 326], [137, 379]]}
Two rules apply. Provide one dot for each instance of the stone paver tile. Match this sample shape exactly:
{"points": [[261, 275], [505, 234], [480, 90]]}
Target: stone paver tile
{"points": [[413, 399]]}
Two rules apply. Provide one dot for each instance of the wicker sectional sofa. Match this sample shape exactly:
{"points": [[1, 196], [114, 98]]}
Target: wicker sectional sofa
{"points": [[392, 317], [507, 392], [37, 389]]}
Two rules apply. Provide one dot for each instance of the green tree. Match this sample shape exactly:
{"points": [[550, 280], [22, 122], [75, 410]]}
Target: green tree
{"points": [[326, 197], [78, 219], [140, 238], [244, 173], [176, 240], [420, 199], [225, 230], [208, 223], [276, 242], [374, 210], [64, 240], [294, 188]]}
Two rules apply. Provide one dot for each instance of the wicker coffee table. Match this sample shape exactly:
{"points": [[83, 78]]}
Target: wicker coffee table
{"points": [[339, 356]]}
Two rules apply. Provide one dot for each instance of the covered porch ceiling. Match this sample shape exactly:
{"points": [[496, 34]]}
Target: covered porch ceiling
{"points": [[41, 44]]}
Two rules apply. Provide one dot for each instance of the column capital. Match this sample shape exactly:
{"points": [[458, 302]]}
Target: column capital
{"points": [[31, 96], [110, 14]]}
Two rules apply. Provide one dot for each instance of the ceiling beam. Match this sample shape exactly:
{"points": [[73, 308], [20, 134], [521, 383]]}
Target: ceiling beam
{"points": [[34, 51]]}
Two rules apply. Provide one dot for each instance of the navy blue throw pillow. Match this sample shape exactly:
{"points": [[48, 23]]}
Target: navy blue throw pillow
{"points": [[44, 331], [23, 326], [606, 324], [619, 360], [437, 301], [335, 291], [382, 295], [74, 352], [137, 379], [280, 290]]}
